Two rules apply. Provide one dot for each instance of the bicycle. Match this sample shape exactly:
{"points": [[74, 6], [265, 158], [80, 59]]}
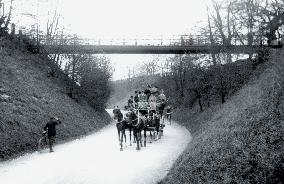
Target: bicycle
{"points": [[42, 142]]}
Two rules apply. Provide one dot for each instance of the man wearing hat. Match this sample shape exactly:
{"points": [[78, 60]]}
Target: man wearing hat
{"points": [[50, 128]]}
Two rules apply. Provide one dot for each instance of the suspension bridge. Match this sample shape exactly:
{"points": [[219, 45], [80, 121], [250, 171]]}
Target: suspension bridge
{"points": [[177, 44]]}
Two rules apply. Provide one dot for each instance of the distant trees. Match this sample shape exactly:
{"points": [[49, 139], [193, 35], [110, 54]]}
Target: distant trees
{"points": [[190, 82], [272, 19], [95, 74], [150, 67], [73, 63], [245, 22], [90, 77]]}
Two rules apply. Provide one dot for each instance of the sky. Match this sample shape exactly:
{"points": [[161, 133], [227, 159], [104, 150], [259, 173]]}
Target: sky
{"points": [[92, 18], [108, 19]]}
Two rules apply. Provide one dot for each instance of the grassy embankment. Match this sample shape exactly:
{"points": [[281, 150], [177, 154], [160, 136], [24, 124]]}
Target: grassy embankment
{"points": [[240, 141], [29, 95]]}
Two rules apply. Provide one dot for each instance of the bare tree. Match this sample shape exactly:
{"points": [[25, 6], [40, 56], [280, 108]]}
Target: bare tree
{"points": [[246, 22], [272, 16], [5, 17], [223, 24], [52, 27], [212, 41]]}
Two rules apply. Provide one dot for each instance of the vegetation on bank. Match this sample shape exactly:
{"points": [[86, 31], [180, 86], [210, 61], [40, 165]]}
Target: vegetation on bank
{"points": [[237, 141], [240, 141]]}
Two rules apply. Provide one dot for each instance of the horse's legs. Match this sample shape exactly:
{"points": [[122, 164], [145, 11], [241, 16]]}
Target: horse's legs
{"points": [[121, 141], [118, 131], [137, 139], [124, 136], [140, 138], [130, 144], [154, 136], [134, 137], [144, 137], [158, 131]]}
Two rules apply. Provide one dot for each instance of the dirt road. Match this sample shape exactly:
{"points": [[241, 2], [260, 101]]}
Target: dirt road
{"points": [[96, 159]]}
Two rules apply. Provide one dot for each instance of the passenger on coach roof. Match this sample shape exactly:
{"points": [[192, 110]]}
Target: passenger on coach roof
{"points": [[136, 99], [154, 90], [147, 91], [162, 96], [153, 103]]}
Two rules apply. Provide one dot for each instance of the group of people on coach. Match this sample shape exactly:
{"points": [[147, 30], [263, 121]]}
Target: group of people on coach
{"points": [[151, 98]]}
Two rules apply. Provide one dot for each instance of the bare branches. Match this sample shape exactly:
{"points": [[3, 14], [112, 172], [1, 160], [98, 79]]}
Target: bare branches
{"points": [[5, 18]]}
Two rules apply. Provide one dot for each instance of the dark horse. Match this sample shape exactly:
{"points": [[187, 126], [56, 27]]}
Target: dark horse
{"points": [[138, 124], [122, 125]]}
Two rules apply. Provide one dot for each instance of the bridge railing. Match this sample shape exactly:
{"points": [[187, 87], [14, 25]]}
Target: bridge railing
{"points": [[175, 40], [144, 41]]}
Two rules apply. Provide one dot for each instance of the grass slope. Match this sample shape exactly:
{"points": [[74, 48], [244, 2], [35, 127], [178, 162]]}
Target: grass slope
{"points": [[28, 97], [240, 141]]}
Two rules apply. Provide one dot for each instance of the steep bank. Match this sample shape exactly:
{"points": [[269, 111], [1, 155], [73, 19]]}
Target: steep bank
{"points": [[29, 95], [240, 141]]}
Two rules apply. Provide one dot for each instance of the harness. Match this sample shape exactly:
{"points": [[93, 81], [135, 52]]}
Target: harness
{"points": [[136, 123]]}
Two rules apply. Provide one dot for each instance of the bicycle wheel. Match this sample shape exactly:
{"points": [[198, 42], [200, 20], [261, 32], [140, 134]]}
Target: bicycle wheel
{"points": [[42, 143]]}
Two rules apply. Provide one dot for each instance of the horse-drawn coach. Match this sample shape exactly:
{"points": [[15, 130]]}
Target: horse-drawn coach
{"points": [[144, 115]]}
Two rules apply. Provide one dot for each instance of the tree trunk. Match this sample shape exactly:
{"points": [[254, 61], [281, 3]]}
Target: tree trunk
{"points": [[222, 89], [207, 99], [200, 104], [229, 56], [212, 42], [223, 94], [198, 96]]}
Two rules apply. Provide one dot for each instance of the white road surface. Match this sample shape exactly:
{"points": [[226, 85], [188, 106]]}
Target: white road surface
{"points": [[96, 159]]}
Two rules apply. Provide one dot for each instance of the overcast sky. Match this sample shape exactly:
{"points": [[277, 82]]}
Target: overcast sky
{"points": [[112, 18], [92, 18], [118, 18]]}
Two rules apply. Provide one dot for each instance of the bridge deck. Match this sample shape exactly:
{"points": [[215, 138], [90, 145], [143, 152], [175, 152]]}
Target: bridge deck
{"points": [[149, 49]]}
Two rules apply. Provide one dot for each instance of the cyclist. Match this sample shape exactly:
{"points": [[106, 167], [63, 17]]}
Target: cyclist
{"points": [[50, 128]]}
